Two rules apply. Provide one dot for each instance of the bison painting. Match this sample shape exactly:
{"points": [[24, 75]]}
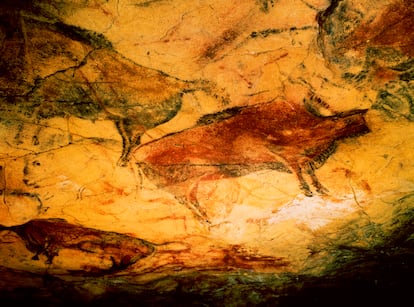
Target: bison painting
{"points": [[277, 135], [48, 236], [49, 69]]}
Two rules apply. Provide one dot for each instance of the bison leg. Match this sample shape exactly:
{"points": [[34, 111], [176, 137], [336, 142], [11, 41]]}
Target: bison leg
{"points": [[36, 255], [193, 204], [195, 208], [129, 142], [319, 187], [191, 200], [303, 184], [50, 251]]}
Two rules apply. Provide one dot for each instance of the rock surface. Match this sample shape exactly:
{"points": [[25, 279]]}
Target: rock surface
{"points": [[229, 153]]}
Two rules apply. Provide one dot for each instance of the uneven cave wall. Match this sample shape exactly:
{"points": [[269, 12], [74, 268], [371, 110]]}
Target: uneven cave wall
{"points": [[145, 139]]}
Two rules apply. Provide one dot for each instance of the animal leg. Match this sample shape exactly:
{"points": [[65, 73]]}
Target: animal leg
{"points": [[128, 142], [36, 256], [303, 184], [49, 250], [316, 183], [45, 251], [191, 200], [18, 136], [50, 253], [35, 137], [192, 195], [195, 208], [194, 204]]}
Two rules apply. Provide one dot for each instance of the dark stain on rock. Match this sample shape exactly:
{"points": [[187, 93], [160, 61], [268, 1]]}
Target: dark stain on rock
{"points": [[29, 46], [9, 196], [265, 5], [405, 70], [396, 100], [226, 38], [324, 15], [48, 236], [280, 136], [238, 257], [274, 31], [350, 37], [219, 116], [96, 40], [148, 3]]}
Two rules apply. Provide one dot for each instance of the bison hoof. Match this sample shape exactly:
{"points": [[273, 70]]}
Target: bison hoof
{"points": [[122, 163], [322, 190], [308, 193]]}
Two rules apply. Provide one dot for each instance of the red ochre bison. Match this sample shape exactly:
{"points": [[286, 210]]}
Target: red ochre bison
{"points": [[49, 236], [277, 135]]}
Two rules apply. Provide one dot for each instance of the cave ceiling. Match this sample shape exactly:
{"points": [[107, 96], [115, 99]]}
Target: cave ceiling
{"points": [[209, 151]]}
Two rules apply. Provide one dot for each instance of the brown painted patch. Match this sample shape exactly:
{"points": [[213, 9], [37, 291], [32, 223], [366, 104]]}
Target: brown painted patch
{"points": [[278, 135], [239, 257], [212, 50], [392, 28], [109, 188], [365, 185], [347, 172], [48, 236], [225, 258]]}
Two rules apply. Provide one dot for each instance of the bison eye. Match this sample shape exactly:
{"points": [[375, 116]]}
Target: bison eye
{"points": [[36, 163]]}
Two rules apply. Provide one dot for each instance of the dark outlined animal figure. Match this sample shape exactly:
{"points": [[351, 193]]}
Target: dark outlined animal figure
{"points": [[277, 135], [50, 69], [48, 236], [109, 87]]}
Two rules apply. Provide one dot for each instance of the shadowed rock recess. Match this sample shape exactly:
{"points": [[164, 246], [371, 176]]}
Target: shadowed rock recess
{"points": [[206, 153]]}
